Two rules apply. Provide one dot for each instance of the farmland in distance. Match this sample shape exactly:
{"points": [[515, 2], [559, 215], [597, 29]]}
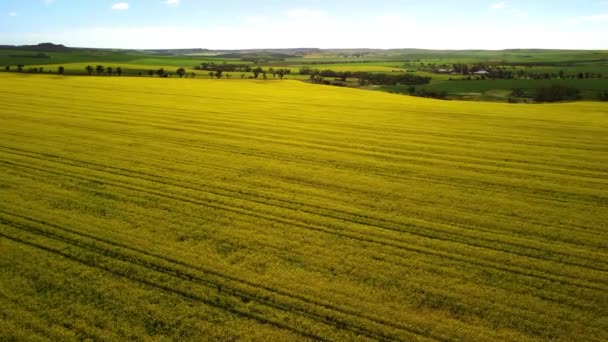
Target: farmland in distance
{"points": [[252, 210]]}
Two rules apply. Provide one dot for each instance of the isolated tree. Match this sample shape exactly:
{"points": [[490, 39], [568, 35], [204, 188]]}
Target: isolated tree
{"points": [[282, 72], [41, 70], [7, 68], [242, 76], [161, 72], [110, 71], [273, 72], [181, 72], [193, 75], [150, 72], [218, 73], [344, 75], [100, 69], [119, 71], [211, 74], [20, 67], [305, 70], [89, 69], [60, 70], [257, 71]]}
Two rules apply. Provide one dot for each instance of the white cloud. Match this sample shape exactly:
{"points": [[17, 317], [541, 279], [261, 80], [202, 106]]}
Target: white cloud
{"points": [[588, 19], [499, 5], [328, 31], [12, 14], [172, 2], [120, 6]]}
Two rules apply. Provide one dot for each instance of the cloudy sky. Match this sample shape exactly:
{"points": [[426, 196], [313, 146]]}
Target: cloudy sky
{"points": [[235, 24]]}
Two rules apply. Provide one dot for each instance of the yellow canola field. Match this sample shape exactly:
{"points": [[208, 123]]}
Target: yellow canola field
{"points": [[148, 208]]}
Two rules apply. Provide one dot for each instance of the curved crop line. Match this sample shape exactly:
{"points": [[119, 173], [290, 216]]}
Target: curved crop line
{"points": [[165, 288], [571, 226], [386, 254], [392, 128], [380, 171], [221, 203], [371, 221], [438, 253], [208, 283]]}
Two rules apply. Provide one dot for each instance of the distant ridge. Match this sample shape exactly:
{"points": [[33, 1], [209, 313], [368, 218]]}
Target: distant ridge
{"points": [[47, 47], [280, 53]]}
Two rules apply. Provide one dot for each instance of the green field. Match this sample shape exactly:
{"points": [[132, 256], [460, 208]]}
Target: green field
{"points": [[501, 89], [14, 57], [130, 69], [424, 63], [168, 209]]}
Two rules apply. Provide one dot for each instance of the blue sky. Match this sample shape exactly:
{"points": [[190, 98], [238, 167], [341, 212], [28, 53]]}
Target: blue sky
{"points": [[235, 24]]}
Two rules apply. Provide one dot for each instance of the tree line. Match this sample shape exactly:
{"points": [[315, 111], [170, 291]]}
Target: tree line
{"points": [[101, 70], [363, 78], [215, 71], [503, 72], [219, 70], [21, 68], [551, 93]]}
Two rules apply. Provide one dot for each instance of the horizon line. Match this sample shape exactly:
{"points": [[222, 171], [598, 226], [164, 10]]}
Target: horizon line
{"points": [[303, 48]]}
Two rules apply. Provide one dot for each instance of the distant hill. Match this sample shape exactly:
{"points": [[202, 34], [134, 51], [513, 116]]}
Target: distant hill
{"points": [[244, 53], [259, 55], [45, 47], [170, 52], [288, 52]]}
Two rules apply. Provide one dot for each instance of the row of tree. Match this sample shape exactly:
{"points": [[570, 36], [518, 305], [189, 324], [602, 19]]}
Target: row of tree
{"points": [[224, 67], [221, 72], [21, 68], [370, 78], [557, 93], [435, 94], [501, 72], [181, 72], [101, 70], [552, 93], [365, 78], [217, 70]]}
